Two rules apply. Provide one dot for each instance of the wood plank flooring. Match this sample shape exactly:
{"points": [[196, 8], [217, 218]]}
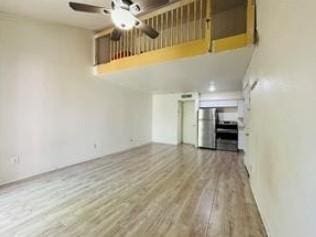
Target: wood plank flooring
{"points": [[151, 191]]}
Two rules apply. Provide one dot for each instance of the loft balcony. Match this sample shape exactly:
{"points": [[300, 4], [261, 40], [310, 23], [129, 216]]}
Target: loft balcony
{"points": [[187, 28]]}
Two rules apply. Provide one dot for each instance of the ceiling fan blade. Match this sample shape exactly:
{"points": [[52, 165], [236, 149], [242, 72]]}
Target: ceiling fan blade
{"points": [[147, 5], [128, 2], [88, 8], [116, 34], [148, 30]]}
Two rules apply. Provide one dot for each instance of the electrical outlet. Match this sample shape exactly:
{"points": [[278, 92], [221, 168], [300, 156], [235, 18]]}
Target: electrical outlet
{"points": [[15, 160]]}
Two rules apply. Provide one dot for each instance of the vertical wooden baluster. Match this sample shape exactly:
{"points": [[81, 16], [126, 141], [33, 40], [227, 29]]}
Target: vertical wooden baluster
{"points": [[171, 29], [175, 30], [194, 20], [95, 51], [131, 43], [181, 23], [177, 25], [156, 26], [119, 47], [208, 24], [145, 39], [151, 41], [162, 30], [111, 48], [128, 43], [139, 41], [122, 53], [188, 20], [201, 19], [134, 41], [165, 29], [114, 49], [131, 48], [125, 43], [148, 39]]}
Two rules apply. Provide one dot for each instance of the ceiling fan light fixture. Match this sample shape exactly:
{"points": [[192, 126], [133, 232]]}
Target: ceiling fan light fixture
{"points": [[123, 19]]}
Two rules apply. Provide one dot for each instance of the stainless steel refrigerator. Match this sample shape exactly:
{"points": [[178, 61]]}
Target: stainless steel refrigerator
{"points": [[207, 118]]}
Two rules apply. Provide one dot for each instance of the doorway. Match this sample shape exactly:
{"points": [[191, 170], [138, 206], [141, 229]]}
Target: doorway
{"points": [[188, 122]]}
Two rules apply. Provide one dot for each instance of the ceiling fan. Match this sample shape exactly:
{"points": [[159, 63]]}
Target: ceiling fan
{"points": [[123, 14]]}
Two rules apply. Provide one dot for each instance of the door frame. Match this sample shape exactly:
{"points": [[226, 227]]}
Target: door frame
{"points": [[180, 119]]}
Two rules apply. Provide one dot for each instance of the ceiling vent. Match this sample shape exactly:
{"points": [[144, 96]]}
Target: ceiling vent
{"points": [[186, 96]]}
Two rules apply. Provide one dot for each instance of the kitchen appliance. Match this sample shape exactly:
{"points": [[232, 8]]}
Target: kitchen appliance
{"points": [[207, 119], [227, 136]]}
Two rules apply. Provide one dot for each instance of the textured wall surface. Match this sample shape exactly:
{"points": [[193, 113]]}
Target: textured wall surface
{"points": [[282, 118], [53, 112]]}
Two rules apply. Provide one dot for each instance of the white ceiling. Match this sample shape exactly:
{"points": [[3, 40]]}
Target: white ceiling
{"points": [[57, 11], [226, 70]]}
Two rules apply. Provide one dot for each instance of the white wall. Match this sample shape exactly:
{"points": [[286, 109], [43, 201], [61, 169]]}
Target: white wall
{"points": [[166, 120], [282, 117], [53, 112]]}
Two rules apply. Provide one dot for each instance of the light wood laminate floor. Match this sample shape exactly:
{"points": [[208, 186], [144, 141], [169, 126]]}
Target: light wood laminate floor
{"points": [[155, 190]]}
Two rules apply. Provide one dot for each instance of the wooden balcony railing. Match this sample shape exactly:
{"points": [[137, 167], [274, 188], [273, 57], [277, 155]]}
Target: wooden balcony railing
{"points": [[186, 28]]}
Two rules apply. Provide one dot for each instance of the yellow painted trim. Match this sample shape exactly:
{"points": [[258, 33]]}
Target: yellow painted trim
{"points": [[251, 15], [190, 49], [230, 43]]}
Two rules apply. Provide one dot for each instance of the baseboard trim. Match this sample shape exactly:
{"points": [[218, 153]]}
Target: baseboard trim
{"points": [[263, 218], [32, 177], [255, 196]]}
